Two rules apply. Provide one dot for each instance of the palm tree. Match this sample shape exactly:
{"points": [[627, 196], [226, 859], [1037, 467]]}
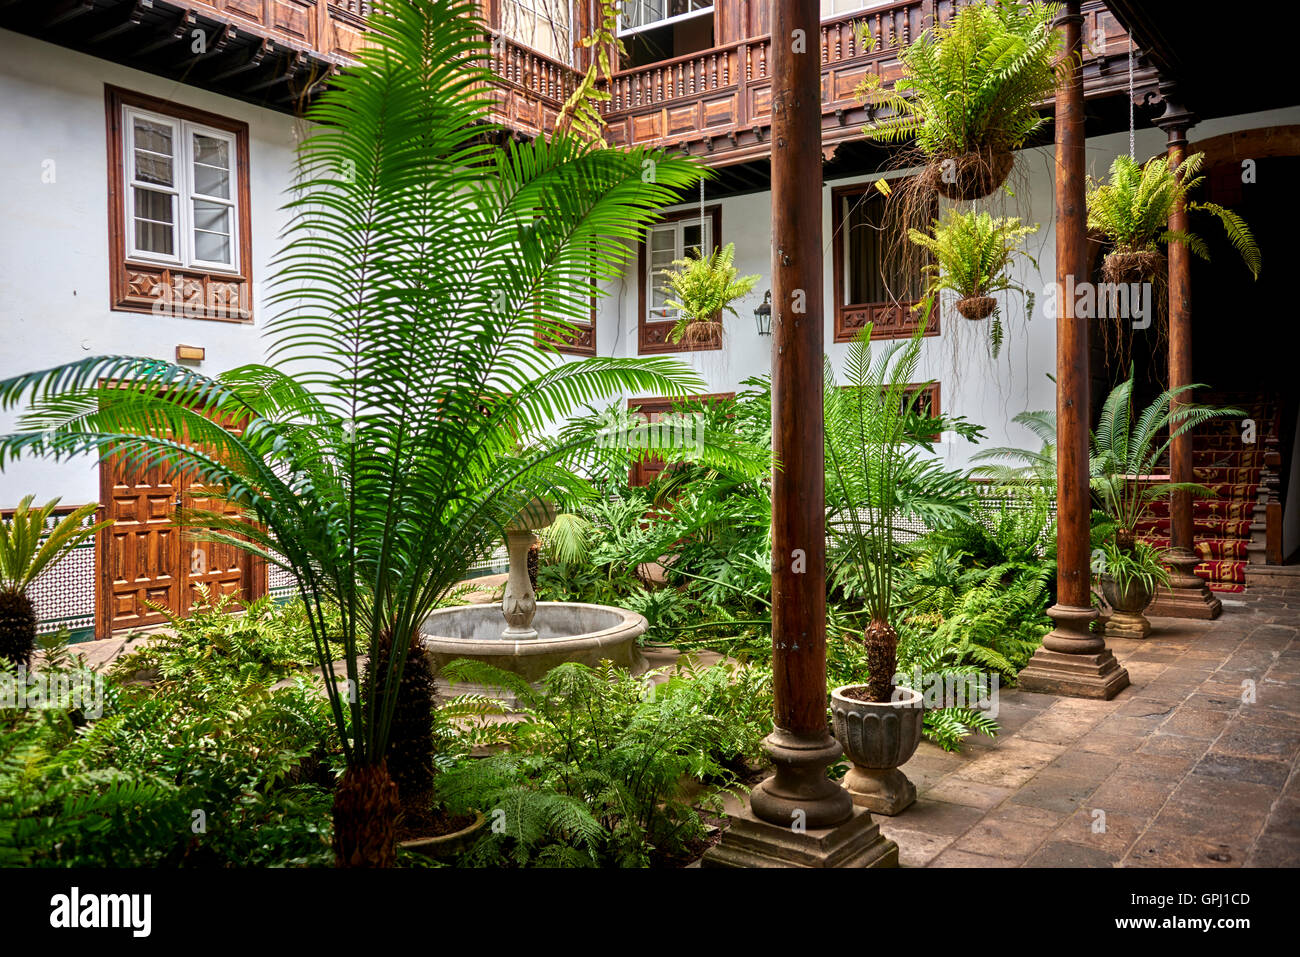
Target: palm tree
{"points": [[401, 420], [26, 550], [877, 472], [1128, 446]]}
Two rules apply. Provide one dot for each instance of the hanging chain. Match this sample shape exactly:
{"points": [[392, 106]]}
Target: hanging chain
{"points": [[702, 243], [1132, 153]]}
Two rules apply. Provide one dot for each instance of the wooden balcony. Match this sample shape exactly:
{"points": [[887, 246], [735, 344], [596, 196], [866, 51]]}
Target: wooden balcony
{"points": [[715, 104], [718, 104]]}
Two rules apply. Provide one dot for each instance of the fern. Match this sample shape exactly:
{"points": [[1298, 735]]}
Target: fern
{"points": [[973, 84], [1131, 208]]}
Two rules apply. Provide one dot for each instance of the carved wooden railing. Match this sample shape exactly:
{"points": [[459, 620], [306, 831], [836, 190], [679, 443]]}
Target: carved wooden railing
{"points": [[716, 103]]}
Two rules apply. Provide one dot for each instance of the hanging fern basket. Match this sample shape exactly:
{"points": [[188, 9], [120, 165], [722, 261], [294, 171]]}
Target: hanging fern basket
{"points": [[977, 307], [1124, 266], [971, 175], [703, 333]]}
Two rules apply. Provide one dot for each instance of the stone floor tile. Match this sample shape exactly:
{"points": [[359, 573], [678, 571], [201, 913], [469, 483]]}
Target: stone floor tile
{"points": [[1059, 853], [1164, 848], [955, 790]]}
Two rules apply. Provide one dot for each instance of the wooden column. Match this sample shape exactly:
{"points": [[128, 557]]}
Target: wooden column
{"points": [[799, 817], [1072, 660], [1187, 596], [800, 746]]}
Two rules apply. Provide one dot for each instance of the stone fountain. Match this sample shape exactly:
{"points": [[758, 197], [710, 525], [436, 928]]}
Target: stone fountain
{"points": [[536, 636]]}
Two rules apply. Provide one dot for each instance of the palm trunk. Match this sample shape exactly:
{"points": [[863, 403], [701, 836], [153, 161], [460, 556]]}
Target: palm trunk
{"points": [[365, 817], [882, 659], [410, 740], [17, 627]]}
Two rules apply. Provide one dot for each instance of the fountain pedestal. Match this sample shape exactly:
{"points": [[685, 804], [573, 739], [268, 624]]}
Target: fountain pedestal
{"points": [[519, 603]]}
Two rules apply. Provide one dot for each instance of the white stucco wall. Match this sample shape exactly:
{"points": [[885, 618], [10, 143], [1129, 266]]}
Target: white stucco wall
{"points": [[54, 276], [54, 281], [987, 391]]}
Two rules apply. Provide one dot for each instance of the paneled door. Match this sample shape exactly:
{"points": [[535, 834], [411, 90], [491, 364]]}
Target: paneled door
{"points": [[144, 558]]}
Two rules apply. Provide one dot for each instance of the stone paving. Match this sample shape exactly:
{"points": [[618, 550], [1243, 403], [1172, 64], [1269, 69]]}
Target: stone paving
{"points": [[1181, 769]]}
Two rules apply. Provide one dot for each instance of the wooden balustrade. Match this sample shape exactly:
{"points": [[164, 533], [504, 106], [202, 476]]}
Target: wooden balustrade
{"points": [[715, 103]]}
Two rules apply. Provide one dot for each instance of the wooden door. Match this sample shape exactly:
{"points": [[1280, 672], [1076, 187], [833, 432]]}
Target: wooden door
{"points": [[139, 555], [145, 557]]}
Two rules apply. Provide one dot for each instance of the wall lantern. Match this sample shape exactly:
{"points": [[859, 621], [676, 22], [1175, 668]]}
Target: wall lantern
{"points": [[763, 315]]}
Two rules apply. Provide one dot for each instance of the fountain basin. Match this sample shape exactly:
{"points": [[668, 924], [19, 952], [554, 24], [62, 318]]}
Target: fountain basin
{"points": [[566, 631]]}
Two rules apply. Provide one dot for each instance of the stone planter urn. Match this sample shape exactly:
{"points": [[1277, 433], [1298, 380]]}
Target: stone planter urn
{"points": [[1127, 605], [447, 846], [877, 738]]}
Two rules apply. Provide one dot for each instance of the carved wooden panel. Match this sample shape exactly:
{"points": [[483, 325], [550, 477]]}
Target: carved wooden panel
{"points": [[889, 321]]}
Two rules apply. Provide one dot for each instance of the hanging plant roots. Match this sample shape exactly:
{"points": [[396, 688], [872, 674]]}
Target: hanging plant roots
{"points": [[1129, 267], [702, 333], [977, 307], [971, 175]]}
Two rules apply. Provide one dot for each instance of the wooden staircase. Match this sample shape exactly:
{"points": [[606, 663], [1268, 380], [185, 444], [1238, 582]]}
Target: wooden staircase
{"points": [[1232, 527]]}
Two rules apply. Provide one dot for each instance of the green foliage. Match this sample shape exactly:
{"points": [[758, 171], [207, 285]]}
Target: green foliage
{"points": [[581, 112], [971, 255], [26, 549], [218, 759], [705, 286], [973, 84], [876, 472], [594, 772], [1132, 208], [1127, 446], [1141, 563], [403, 418]]}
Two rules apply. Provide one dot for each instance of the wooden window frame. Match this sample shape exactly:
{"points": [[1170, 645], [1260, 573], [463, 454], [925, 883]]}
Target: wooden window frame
{"points": [[652, 335], [582, 341], [161, 285], [889, 320]]}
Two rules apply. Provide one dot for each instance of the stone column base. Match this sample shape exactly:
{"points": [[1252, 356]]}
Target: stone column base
{"points": [[1123, 624], [885, 791], [1078, 676], [1196, 601], [752, 842]]}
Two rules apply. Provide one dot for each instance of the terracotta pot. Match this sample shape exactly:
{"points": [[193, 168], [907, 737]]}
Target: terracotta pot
{"points": [[446, 846], [878, 737], [1127, 605], [977, 307], [971, 175]]}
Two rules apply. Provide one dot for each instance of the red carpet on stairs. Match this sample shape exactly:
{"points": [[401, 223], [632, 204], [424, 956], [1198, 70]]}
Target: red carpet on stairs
{"points": [[1230, 468]]}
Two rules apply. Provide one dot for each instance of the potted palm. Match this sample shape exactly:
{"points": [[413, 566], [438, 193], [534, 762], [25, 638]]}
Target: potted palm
{"points": [[1131, 209], [27, 548], [869, 457], [1127, 448], [401, 422], [969, 94], [971, 255], [705, 285]]}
